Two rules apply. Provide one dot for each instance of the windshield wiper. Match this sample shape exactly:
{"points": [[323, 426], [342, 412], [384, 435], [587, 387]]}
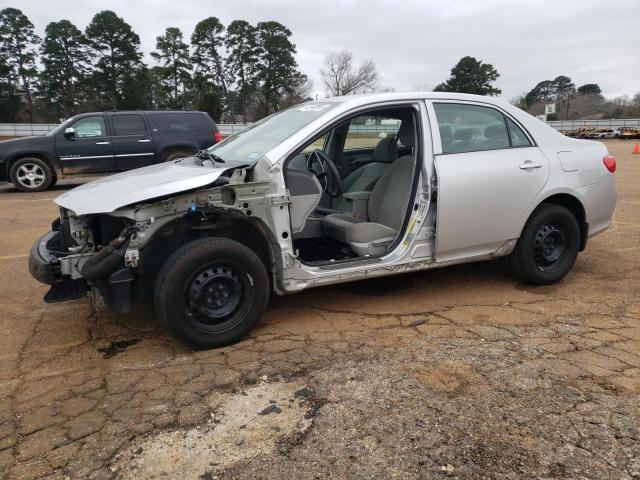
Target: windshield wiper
{"points": [[207, 155]]}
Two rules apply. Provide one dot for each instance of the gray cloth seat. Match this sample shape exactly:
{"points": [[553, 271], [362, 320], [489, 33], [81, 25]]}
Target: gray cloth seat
{"points": [[364, 178], [387, 205]]}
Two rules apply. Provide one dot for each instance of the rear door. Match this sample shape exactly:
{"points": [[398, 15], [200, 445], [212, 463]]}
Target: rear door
{"points": [[489, 172], [89, 150], [132, 141]]}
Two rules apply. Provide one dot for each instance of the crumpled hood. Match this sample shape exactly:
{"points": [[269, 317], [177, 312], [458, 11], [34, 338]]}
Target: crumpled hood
{"points": [[141, 185]]}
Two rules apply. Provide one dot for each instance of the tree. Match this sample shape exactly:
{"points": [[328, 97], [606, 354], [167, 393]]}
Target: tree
{"points": [[276, 67], [471, 76], [173, 55], [241, 62], [590, 89], [341, 77], [18, 48], [543, 92], [65, 59], [208, 42], [116, 49], [9, 99]]}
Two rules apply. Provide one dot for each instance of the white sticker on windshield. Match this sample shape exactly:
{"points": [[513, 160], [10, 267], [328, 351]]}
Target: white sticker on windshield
{"points": [[313, 107], [253, 156]]}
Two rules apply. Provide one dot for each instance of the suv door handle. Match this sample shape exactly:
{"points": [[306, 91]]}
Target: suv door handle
{"points": [[144, 140], [529, 164], [102, 143]]}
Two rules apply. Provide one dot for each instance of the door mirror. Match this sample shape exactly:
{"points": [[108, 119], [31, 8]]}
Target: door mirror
{"points": [[69, 132]]}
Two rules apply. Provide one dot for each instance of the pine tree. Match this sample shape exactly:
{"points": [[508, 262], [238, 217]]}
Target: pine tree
{"points": [[173, 55], [116, 48], [276, 63], [65, 59], [241, 63], [18, 44], [471, 76], [208, 42]]}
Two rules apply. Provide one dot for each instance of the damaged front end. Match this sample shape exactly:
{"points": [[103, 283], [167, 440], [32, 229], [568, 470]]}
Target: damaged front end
{"points": [[115, 255], [85, 254]]}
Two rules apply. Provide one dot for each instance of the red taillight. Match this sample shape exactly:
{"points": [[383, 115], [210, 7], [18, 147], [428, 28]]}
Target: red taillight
{"points": [[217, 137], [610, 162]]}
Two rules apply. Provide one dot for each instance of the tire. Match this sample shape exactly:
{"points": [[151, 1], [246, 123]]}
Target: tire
{"points": [[30, 174], [211, 292], [548, 246], [176, 155]]}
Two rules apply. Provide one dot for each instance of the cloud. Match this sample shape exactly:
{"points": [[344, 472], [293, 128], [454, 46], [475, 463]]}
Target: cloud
{"points": [[415, 43]]}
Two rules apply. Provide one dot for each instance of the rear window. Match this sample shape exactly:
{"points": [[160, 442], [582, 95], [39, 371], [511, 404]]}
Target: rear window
{"points": [[182, 122], [128, 125]]}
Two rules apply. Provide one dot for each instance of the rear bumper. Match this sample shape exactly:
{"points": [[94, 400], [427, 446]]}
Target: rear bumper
{"points": [[44, 266]]}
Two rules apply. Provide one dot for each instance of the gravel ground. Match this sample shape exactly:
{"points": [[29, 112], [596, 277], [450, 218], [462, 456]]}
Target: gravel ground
{"points": [[456, 373]]}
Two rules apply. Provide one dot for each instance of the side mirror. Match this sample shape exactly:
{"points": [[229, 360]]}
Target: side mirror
{"points": [[69, 132]]}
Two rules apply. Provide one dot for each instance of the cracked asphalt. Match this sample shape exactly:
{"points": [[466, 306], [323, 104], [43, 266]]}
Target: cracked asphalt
{"points": [[456, 373]]}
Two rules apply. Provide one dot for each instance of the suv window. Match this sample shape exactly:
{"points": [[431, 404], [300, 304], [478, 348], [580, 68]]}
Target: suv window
{"points": [[128, 125], [470, 128], [518, 137], [182, 122], [90, 127], [366, 131]]}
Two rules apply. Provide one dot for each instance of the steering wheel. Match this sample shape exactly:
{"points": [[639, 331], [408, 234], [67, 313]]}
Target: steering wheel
{"points": [[329, 174]]}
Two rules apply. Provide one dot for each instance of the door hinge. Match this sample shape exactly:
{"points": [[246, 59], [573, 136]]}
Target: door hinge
{"points": [[281, 199]]}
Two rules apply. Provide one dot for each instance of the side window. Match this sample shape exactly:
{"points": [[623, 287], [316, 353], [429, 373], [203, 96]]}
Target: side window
{"points": [[90, 127], [128, 125], [181, 122], [518, 138], [470, 128], [366, 131]]}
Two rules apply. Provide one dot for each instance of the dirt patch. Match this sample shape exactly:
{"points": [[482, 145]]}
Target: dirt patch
{"points": [[252, 422]]}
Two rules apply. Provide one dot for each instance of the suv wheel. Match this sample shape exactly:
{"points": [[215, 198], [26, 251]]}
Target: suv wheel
{"points": [[548, 246], [176, 155], [211, 292], [31, 174]]}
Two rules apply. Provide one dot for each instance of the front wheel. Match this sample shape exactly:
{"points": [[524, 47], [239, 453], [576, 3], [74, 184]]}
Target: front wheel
{"points": [[31, 174], [548, 246], [211, 292]]}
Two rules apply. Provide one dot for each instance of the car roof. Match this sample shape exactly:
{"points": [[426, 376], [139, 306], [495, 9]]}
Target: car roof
{"points": [[400, 96]]}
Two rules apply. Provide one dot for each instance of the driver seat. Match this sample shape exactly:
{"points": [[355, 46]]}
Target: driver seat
{"points": [[364, 178], [386, 206]]}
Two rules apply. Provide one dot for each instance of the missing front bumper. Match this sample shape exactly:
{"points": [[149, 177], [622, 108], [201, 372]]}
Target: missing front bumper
{"points": [[44, 266]]}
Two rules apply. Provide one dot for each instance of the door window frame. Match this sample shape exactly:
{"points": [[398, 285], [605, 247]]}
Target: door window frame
{"points": [[423, 170], [435, 128]]}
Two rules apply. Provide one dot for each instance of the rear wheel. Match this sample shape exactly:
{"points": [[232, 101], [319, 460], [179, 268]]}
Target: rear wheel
{"points": [[176, 155], [212, 292], [548, 246], [31, 174]]}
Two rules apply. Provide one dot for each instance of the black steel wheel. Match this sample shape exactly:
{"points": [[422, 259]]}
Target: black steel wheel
{"points": [[548, 246], [211, 292]]}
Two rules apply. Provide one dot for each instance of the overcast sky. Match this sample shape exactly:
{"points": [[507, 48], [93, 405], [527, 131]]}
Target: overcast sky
{"points": [[414, 43]]}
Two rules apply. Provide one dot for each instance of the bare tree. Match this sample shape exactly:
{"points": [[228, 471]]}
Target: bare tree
{"points": [[342, 77]]}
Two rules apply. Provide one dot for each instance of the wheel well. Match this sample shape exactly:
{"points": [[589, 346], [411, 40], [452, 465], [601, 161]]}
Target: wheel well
{"points": [[39, 156], [251, 232], [574, 205]]}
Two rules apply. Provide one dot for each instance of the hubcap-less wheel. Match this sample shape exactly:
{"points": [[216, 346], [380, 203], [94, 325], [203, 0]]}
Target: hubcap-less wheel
{"points": [[30, 175], [550, 247], [213, 298]]}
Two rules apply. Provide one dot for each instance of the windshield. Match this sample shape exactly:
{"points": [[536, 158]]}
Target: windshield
{"points": [[262, 136]]}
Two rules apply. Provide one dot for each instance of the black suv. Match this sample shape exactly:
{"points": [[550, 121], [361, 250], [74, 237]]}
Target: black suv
{"points": [[106, 142]]}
